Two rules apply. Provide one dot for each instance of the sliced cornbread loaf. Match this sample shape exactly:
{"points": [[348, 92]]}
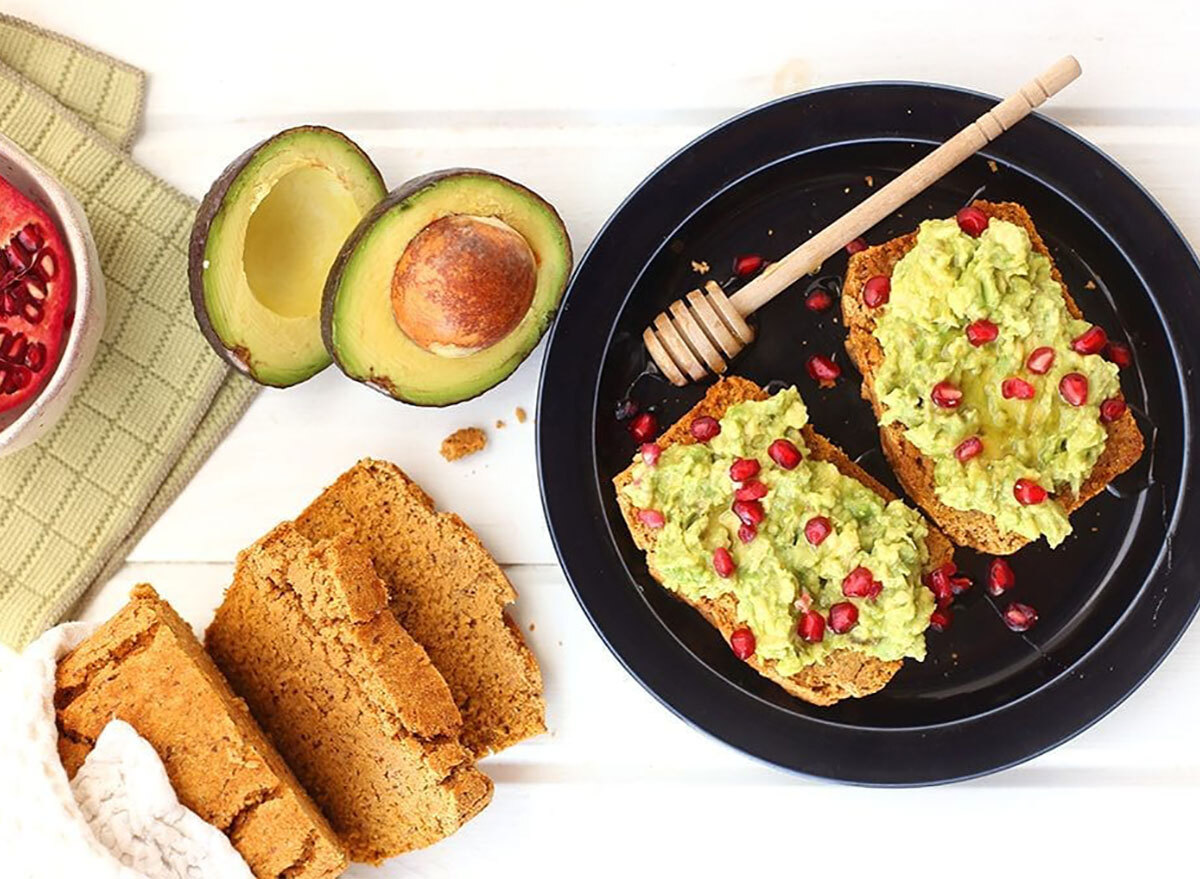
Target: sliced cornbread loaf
{"points": [[351, 700], [146, 667], [447, 591]]}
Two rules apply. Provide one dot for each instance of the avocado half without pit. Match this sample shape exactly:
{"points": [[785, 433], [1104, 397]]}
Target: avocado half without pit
{"points": [[445, 286], [262, 244]]}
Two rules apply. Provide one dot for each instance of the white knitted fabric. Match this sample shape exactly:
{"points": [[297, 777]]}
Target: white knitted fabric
{"points": [[118, 818]]}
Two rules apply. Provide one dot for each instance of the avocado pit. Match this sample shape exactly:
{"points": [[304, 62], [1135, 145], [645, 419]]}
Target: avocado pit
{"points": [[462, 284]]}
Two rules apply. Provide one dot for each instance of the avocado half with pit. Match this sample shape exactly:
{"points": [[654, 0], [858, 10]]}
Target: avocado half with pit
{"points": [[262, 244], [445, 286]]}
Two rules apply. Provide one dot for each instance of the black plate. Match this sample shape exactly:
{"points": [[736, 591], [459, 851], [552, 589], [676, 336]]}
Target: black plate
{"points": [[1113, 599]]}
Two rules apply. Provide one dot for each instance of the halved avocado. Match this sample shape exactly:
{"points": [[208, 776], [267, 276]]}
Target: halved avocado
{"points": [[262, 244], [446, 286]]}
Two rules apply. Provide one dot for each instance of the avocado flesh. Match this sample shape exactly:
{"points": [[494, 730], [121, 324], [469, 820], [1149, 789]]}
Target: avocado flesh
{"points": [[281, 222], [360, 327]]}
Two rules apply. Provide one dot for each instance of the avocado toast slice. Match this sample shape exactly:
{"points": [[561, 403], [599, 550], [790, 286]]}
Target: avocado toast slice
{"points": [[842, 672], [1122, 445]]}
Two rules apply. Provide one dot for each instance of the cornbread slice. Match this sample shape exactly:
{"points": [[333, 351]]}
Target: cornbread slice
{"points": [[447, 591], [845, 673], [146, 667], [353, 703]]}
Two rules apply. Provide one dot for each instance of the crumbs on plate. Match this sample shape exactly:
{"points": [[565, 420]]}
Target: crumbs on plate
{"points": [[520, 415], [463, 442], [700, 267]]}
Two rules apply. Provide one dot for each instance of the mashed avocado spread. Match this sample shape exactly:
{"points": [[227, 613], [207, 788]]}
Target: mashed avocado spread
{"points": [[947, 281], [780, 570]]}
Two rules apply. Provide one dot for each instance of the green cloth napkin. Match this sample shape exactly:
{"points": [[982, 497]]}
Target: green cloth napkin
{"points": [[157, 399]]}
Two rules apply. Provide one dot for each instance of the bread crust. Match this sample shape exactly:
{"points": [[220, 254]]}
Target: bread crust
{"points": [[915, 472], [844, 673]]}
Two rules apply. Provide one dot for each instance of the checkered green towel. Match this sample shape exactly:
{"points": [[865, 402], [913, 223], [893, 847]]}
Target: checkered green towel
{"points": [[157, 400]]}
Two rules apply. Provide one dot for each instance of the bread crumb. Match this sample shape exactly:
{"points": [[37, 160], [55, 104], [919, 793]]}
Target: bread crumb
{"points": [[700, 267], [770, 232], [461, 443], [532, 626], [870, 180], [520, 415], [847, 189], [1089, 285], [499, 424], [993, 166]]}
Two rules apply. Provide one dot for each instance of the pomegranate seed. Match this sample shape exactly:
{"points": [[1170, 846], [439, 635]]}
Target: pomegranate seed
{"points": [[877, 291], [1119, 353], [747, 265], [751, 490], [747, 533], [650, 453], [972, 221], [723, 563], [940, 619], [1028, 492], [1000, 577], [960, 584], [705, 428], [743, 469], [1016, 388], [1020, 617], [784, 453], [817, 529], [626, 409], [644, 427], [1091, 342], [981, 332], [1074, 388], [856, 246], [750, 512], [843, 617], [741, 641], [811, 626], [818, 300], [1112, 409], [968, 448], [822, 370], [651, 518], [938, 581], [1040, 361], [861, 583], [946, 395]]}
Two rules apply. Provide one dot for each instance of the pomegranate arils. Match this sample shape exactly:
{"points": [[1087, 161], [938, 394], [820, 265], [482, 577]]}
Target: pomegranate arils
{"points": [[1000, 577], [946, 395], [1112, 409], [861, 583], [1020, 617], [626, 409], [972, 221], [856, 246], [30, 237], [940, 619], [742, 642], [723, 563], [818, 300], [751, 490], [784, 453], [981, 332], [938, 581], [1016, 388], [1091, 342], [843, 617], [26, 269], [823, 370], [651, 518], [650, 453], [1074, 388], [20, 359], [1028, 492], [1040, 361], [644, 427], [811, 626], [750, 512], [968, 448], [817, 529], [705, 428], [747, 533], [877, 291], [743, 469], [747, 265], [1119, 353]]}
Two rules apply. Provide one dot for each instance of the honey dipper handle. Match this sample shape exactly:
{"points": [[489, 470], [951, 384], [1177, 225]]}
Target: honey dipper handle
{"points": [[808, 256]]}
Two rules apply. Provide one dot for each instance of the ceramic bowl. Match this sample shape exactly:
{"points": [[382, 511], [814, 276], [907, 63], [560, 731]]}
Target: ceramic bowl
{"points": [[21, 427]]}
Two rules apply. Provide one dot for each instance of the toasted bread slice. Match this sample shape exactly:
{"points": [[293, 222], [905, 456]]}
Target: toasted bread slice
{"points": [[966, 528], [845, 673]]}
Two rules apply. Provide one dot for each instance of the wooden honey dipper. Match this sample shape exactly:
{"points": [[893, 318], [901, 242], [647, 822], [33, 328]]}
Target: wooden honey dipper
{"points": [[696, 336]]}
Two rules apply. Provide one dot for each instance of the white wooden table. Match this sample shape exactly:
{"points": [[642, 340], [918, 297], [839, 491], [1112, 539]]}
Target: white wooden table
{"points": [[580, 103]]}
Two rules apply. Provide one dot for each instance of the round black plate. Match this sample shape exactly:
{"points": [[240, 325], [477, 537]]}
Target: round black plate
{"points": [[1113, 599]]}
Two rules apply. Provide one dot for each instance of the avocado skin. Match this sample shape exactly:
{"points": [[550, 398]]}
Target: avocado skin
{"points": [[210, 206], [399, 194]]}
